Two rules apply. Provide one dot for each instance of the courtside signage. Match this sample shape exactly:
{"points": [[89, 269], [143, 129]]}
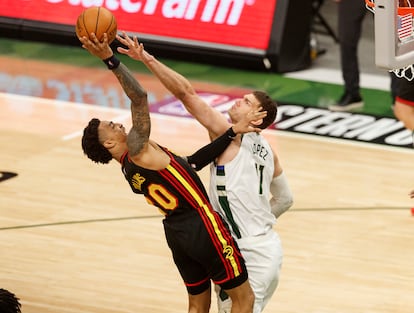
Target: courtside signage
{"points": [[343, 125], [241, 23]]}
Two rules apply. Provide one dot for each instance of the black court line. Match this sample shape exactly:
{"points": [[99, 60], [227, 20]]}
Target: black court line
{"points": [[82, 222], [158, 216]]}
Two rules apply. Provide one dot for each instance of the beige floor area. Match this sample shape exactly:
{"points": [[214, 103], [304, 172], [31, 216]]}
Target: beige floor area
{"points": [[76, 239]]}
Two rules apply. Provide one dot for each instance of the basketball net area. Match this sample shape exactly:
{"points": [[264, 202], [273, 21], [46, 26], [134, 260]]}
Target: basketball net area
{"points": [[394, 35]]}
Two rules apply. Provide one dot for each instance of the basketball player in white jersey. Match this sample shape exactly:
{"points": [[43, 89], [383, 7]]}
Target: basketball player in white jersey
{"points": [[242, 178]]}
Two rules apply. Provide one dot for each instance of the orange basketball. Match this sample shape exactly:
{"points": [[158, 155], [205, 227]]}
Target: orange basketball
{"points": [[96, 20]]}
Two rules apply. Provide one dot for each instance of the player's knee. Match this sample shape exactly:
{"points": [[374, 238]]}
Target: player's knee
{"points": [[246, 302], [199, 303], [408, 121], [198, 307], [251, 298], [405, 114]]}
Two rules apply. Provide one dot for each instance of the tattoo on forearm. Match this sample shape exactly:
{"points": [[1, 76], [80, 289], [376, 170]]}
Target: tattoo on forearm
{"points": [[141, 123], [131, 86]]}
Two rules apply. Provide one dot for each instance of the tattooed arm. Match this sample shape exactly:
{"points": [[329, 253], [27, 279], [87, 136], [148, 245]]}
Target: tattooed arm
{"points": [[138, 136], [141, 123]]}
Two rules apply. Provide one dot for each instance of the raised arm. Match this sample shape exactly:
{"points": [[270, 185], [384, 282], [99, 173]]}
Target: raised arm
{"points": [[215, 122], [138, 136]]}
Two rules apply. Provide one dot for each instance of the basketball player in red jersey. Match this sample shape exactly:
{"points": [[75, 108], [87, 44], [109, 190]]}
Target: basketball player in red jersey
{"points": [[201, 244]]}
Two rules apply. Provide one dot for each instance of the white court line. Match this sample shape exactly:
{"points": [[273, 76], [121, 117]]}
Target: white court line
{"points": [[79, 133], [125, 116], [123, 113], [332, 76], [56, 102]]}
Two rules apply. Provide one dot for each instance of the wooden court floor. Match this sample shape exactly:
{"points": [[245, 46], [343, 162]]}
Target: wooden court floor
{"points": [[74, 238]]}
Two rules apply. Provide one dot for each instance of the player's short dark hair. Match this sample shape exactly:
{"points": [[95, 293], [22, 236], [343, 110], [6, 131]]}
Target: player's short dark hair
{"points": [[91, 146], [9, 303], [269, 105]]}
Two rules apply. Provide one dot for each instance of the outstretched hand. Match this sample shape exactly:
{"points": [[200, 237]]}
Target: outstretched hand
{"points": [[135, 49], [245, 124], [100, 49]]}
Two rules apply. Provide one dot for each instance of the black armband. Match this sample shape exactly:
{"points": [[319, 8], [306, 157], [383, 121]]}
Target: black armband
{"points": [[210, 152], [230, 132], [112, 62]]}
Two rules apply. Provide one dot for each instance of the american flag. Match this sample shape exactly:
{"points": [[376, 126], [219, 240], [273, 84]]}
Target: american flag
{"points": [[405, 26]]}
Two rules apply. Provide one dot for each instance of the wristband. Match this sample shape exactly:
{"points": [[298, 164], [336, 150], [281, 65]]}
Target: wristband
{"points": [[230, 132], [112, 62]]}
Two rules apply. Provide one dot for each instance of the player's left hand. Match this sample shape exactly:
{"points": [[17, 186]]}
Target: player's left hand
{"points": [[100, 49], [245, 124]]}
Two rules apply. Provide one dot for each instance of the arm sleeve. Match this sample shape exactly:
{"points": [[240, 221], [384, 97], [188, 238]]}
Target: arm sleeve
{"points": [[210, 152], [282, 198]]}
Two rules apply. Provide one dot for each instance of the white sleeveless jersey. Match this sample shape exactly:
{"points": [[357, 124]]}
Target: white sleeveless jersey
{"points": [[239, 190]]}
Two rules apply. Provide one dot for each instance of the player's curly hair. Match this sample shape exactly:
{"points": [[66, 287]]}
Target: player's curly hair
{"points": [[91, 146], [269, 105], [9, 303]]}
